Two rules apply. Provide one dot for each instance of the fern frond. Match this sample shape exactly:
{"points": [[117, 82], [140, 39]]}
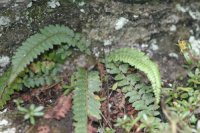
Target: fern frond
{"points": [[142, 100], [41, 42], [40, 80], [42, 76], [139, 95], [84, 103], [140, 61], [5, 90]]}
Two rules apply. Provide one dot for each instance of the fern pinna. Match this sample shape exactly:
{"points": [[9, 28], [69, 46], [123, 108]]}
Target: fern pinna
{"points": [[35, 46], [84, 102], [140, 61]]}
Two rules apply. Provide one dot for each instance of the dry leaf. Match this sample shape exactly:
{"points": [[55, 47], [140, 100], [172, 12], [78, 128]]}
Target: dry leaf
{"points": [[43, 129], [60, 110], [91, 129]]}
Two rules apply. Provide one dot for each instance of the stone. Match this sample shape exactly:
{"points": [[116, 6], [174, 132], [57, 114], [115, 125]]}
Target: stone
{"points": [[4, 21]]}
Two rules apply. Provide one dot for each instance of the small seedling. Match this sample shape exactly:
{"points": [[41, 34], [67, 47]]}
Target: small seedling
{"points": [[31, 112], [126, 123], [109, 130]]}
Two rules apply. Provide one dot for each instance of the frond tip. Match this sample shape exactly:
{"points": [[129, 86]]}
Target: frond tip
{"points": [[140, 61]]}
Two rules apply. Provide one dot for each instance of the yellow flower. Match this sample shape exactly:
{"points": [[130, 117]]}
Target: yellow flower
{"points": [[183, 45]]}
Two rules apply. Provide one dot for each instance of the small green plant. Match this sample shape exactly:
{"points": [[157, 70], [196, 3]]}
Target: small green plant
{"points": [[109, 130], [189, 54], [194, 77], [49, 37], [31, 112], [150, 124], [126, 123], [41, 42], [184, 101]]}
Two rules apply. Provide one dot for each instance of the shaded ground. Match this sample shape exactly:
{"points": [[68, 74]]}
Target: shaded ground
{"points": [[152, 27]]}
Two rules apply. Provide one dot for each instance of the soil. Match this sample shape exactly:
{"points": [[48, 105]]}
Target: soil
{"points": [[153, 27]]}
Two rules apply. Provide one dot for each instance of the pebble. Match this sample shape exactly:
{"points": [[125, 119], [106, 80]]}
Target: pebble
{"points": [[195, 44], [10, 130], [4, 21], [173, 55], [53, 4], [154, 47], [107, 42], [3, 122], [173, 28], [4, 61], [120, 23]]}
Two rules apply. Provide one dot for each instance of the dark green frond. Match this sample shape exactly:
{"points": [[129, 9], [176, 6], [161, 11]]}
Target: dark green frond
{"points": [[84, 102], [41, 42]]}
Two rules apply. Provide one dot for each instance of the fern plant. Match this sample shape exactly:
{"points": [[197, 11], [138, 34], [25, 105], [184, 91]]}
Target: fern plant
{"points": [[84, 102], [140, 61], [41, 42], [139, 95], [31, 49], [25, 72]]}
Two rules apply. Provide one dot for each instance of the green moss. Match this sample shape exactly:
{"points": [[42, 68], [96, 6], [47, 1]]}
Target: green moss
{"points": [[8, 13], [37, 12]]}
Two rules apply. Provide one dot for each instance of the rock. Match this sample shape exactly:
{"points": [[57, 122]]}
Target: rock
{"points": [[133, 35], [20, 1], [120, 23], [4, 1], [174, 55], [173, 28], [6, 123], [53, 4], [4, 21], [195, 44], [171, 19], [4, 61]]}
